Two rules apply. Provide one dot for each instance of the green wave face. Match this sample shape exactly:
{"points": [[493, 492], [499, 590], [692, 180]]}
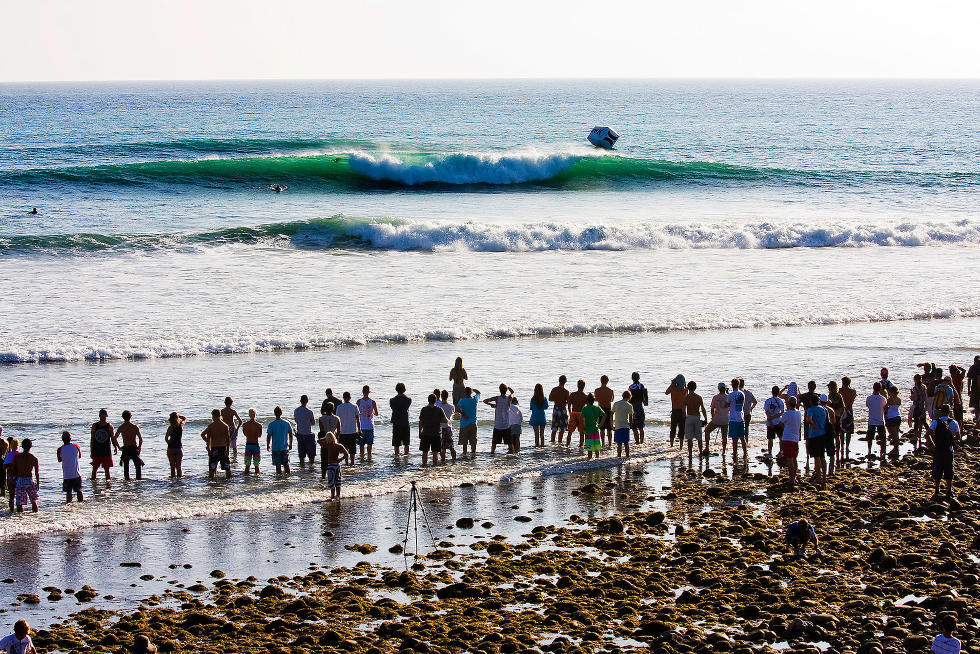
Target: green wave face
{"points": [[358, 171]]}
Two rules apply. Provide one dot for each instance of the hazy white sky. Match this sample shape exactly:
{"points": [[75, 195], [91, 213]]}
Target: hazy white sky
{"points": [[217, 39]]}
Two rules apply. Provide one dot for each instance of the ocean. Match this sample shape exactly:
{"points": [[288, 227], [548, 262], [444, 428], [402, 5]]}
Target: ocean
{"points": [[777, 231]]}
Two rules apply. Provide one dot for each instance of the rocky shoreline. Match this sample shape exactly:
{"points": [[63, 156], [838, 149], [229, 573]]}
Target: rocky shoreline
{"points": [[709, 574]]}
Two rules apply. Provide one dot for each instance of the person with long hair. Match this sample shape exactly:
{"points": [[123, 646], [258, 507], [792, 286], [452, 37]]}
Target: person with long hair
{"points": [[175, 446], [539, 420], [458, 377], [893, 418]]}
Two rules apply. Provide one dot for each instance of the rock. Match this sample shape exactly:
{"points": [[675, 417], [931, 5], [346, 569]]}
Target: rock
{"points": [[460, 590], [655, 518], [522, 518], [610, 526], [487, 525], [396, 549], [365, 548], [709, 473], [218, 574], [916, 642], [131, 564], [272, 591], [464, 523]]}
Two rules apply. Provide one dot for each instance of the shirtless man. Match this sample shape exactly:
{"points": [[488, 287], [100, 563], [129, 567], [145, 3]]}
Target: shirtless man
{"points": [[25, 486], [216, 437], [576, 400], [719, 420], [604, 397], [252, 429], [694, 413], [559, 414], [677, 392], [234, 422], [847, 419], [132, 445]]}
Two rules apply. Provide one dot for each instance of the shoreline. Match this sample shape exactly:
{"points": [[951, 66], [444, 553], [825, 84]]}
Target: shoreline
{"points": [[695, 567]]}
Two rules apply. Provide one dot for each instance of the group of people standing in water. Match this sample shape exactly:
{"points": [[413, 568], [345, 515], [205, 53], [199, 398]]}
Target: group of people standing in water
{"points": [[824, 421]]}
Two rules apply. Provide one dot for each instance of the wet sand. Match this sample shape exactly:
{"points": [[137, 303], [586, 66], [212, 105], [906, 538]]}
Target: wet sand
{"points": [[603, 560]]}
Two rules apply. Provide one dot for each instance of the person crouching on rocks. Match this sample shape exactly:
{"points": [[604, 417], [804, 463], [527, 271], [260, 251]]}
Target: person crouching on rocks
{"points": [[800, 534]]}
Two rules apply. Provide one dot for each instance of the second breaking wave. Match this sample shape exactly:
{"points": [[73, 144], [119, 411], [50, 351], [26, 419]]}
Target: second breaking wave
{"points": [[345, 232]]}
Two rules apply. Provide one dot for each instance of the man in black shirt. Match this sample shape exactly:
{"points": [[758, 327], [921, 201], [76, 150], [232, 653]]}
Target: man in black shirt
{"points": [[400, 423], [431, 419]]}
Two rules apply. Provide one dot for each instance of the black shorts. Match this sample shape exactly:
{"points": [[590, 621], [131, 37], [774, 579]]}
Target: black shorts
{"points": [[501, 436], [942, 467], [876, 429], [606, 421], [400, 435], [430, 443], [72, 485], [894, 422], [816, 446], [131, 453], [774, 432], [349, 441]]}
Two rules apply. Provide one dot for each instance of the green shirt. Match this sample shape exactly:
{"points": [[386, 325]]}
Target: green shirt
{"points": [[591, 413]]}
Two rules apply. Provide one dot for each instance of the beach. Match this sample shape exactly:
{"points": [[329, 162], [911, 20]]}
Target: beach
{"points": [[625, 558]]}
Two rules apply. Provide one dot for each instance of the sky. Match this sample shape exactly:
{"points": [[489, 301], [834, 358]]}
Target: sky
{"points": [[81, 40]]}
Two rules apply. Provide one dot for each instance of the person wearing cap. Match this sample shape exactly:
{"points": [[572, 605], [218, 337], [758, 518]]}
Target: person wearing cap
{"points": [[941, 436], [719, 420], [816, 439]]}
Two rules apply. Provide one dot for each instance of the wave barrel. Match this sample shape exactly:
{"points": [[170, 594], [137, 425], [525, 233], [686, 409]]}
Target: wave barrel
{"points": [[603, 137]]}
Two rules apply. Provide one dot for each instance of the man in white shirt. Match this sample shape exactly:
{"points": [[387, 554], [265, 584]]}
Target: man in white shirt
{"points": [[736, 420], [876, 404], [789, 443], [68, 455], [501, 418], [350, 425], [773, 407], [719, 419], [305, 441]]}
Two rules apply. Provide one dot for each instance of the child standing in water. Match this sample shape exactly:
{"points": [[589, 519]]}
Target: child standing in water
{"points": [[332, 454], [591, 415]]}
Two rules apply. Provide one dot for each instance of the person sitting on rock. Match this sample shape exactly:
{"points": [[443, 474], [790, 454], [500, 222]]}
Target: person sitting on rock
{"points": [[799, 534], [142, 645]]}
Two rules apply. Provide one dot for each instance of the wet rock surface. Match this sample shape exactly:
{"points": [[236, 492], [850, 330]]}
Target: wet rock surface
{"points": [[892, 562]]}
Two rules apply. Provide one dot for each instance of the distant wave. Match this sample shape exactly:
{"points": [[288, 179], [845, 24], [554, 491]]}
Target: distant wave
{"points": [[210, 344], [335, 166], [344, 232]]}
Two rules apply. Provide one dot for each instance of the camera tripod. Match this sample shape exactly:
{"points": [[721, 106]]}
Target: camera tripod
{"points": [[414, 504]]}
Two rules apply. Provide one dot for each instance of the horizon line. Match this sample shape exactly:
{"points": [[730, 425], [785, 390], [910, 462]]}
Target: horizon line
{"points": [[497, 79]]}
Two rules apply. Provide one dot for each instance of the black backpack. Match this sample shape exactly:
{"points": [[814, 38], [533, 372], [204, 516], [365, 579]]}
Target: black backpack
{"points": [[943, 437]]}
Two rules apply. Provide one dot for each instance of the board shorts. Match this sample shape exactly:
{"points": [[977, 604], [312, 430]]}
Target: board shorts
{"points": [[430, 443], [218, 456], [501, 436], [692, 428], [130, 453], [622, 436], [847, 422], [575, 422], [367, 436], [252, 452], [446, 439], [333, 475], [71, 485], [559, 418], [774, 431], [789, 449], [876, 429], [736, 430], [349, 441], [722, 428], [816, 447], [467, 435], [104, 462], [400, 435], [306, 446], [894, 422], [639, 417], [593, 443], [233, 436], [606, 421], [677, 421], [24, 490], [942, 467], [280, 457]]}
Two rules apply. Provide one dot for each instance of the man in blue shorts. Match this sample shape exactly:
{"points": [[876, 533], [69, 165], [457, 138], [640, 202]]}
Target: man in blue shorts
{"points": [[736, 421], [816, 440], [279, 440], [622, 420]]}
